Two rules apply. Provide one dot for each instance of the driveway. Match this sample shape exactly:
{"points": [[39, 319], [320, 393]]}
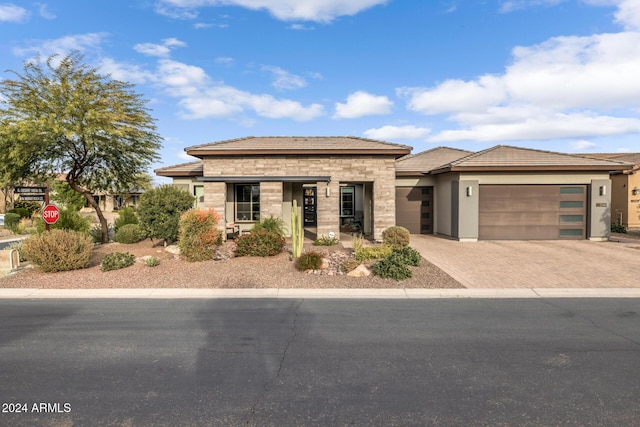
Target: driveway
{"points": [[535, 264]]}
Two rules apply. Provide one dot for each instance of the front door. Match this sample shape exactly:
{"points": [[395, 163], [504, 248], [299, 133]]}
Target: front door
{"points": [[309, 202]]}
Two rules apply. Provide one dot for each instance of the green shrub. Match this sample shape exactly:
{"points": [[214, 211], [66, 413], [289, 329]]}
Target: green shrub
{"points": [[615, 228], [17, 246], [68, 220], [199, 234], [272, 223], [29, 206], [390, 269], [129, 233], [309, 261], [406, 256], [152, 261], [260, 243], [23, 212], [96, 232], [159, 211], [349, 264], [373, 252], [326, 241], [125, 216], [11, 220], [117, 260], [396, 236], [58, 250]]}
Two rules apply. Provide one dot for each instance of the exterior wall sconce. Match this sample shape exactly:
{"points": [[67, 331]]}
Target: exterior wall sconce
{"points": [[603, 190], [328, 190], [635, 191], [469, 191]]}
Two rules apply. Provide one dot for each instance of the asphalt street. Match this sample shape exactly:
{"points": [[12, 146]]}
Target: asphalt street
{"points": [[286, 362]]}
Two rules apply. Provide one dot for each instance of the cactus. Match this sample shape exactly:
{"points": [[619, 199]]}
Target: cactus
{"points": [[297, 233]]}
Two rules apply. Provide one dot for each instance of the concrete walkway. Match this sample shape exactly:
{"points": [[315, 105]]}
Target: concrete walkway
{"points": [[535, 264]]}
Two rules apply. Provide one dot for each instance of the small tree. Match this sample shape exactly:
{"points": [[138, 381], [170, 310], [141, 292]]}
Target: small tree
{"points": [[159, 211], [61, 117]]}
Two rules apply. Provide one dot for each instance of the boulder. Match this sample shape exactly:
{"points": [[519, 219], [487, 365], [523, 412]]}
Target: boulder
{"points": [[360, 271]]}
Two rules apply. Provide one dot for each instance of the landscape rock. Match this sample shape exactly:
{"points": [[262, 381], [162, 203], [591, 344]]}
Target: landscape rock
{"points": [[173, 249], [360, 271]]}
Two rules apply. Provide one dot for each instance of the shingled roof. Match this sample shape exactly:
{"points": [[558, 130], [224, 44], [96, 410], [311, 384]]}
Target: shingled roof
{"points": [[272, 145], [507, 158], [183, 169], [426, 161]]}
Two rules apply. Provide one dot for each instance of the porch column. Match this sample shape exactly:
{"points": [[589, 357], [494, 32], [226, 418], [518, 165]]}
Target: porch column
{"points": [[328, 208], [384, 204], [270, 199], [215, 195]]}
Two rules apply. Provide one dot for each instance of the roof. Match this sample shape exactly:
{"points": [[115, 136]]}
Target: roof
{"points": [[184, 169], [428, 160], [507, 158], [273, 145], [633, 158]]}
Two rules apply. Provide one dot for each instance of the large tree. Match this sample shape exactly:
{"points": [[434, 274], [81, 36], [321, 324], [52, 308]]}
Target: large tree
{"points": [[60, 116]]}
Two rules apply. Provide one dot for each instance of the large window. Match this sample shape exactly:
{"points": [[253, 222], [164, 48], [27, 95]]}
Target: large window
{"points": [[248, 202]]}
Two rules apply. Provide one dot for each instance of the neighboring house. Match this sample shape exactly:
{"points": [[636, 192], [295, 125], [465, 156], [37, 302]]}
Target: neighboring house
{"points": [[500, 193], [625, 194]]}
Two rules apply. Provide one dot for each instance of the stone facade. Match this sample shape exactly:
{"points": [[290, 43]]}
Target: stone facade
{"points": [[376, 169]]}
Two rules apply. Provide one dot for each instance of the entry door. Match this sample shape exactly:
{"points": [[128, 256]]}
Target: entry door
{"points": [[414, 209], [309, 206]]}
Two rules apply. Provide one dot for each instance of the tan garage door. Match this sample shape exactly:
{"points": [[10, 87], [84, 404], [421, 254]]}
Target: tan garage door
{"points": [[414, 209], [528, 212]]}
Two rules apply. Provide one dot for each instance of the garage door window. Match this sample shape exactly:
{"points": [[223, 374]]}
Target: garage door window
{"points": [[571, 190], [571, 218], [571, 204], [570, 232]]}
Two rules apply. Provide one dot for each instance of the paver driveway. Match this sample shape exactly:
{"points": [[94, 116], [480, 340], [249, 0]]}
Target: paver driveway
{"points": [[535, 264]]}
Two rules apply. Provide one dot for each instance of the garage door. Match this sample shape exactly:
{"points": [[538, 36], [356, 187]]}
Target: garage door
{"points": [[414, 209], [521, 212]]}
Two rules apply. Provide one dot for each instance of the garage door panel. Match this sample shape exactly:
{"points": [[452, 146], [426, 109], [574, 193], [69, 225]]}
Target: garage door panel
{"points": [[522, 212]]}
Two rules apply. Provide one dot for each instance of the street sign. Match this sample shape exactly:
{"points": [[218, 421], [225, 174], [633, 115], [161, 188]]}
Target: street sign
{"points": [[30, 190], [32, 197], [50, 214]]}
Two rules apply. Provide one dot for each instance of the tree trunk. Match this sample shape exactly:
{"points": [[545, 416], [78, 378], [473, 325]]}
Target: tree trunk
{"points": [[89, 196]]}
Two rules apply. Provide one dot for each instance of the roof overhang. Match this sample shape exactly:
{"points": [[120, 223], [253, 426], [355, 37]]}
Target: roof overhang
{"points": [[396, 152], [555, 168], [247, 179]]}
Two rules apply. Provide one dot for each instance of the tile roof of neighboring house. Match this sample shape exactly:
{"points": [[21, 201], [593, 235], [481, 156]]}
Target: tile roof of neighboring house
{"points": [[298, 145], [184, 169], [428, 160], [507, 158], [620, 157]]}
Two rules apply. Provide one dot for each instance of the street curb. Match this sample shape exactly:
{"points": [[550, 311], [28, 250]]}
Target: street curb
{"points": [[401, 293]]}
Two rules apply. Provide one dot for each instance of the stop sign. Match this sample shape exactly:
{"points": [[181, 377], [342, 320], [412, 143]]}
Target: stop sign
{"points": [[50, 214]]}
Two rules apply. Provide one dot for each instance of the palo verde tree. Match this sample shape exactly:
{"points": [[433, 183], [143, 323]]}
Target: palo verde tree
{"points": [[61, 116]]}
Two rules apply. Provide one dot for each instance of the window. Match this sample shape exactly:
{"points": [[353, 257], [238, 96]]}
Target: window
{"points": [[347, 201], [570, 204], [570, 232], [571, 218], [198, 192], [248, 202]]}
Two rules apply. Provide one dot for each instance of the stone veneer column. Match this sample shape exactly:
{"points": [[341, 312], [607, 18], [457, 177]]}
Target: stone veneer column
{"points": [[270, 199], [384, 204], [215, 195], [328, 208]]}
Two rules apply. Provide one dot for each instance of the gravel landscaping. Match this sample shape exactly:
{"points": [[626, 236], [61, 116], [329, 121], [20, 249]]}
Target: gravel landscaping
{"points": [[239, 272]]}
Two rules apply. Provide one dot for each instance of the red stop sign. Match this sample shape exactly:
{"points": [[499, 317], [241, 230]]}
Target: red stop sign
{"points": [[50, 214]]}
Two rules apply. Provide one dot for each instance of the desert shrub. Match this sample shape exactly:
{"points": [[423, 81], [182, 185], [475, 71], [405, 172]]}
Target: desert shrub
{"points": [[406, 256], [618, 228], [129, 233], [309, 261], [260, 243], [18, 247], [349, 264], [272, 223], [159, 211], [23, 212], [29, 206], [390, 269], [11, 220], [152, 261], [96, 232], [58, 250], [396, 236], [358, 243], [199, 234], [373, 252], [325, 241], [125, 216], [117, 260]]}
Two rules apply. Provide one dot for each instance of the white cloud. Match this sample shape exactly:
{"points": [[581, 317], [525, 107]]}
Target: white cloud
{"points": [[89, 42], [125, 72], [286, 10], [511, 5], [284, 80], [397, 132], [160, 50], [225, 60], [44, 11], [564, 87], [582, 145], [362, 104], [301, 27], [9, 12]]}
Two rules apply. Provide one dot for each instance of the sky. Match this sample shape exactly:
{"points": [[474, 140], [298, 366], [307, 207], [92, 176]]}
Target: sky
{"points": [[557, 75]]}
